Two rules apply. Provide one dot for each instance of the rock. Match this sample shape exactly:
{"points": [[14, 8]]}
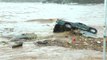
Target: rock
{"points": [[25, 36], [42, 42], [4, 42], [17, 44], [50, 43], [85, 43], [98, 42]]}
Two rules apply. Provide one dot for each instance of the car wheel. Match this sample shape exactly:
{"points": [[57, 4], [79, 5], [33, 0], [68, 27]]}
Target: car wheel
{"points": [[67, 26], [92, 30]]}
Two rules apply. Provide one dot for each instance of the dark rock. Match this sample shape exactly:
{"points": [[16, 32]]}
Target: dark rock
{"points": [[17, 44], [50, 43], [42, 42]]}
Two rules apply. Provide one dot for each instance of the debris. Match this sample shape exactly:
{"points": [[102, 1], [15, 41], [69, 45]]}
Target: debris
{"points": [[42, 42], [4, 42], [9, 29], [17, 44], [98, 42], [85, 43], [73, 40], [24, 36], [50, 43]]}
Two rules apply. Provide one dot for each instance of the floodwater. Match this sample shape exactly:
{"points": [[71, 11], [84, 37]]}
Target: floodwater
{"points": [[17, 18]]}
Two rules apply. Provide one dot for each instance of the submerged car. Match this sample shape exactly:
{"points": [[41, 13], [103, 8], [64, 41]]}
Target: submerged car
{"points": [[62, 26]]}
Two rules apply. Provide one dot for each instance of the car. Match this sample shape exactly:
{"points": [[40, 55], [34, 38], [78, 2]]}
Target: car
{"points": [[62, 26]]}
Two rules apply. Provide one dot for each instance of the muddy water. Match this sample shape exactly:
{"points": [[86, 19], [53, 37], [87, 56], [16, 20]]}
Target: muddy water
{"points": [[46, 53], [30, 51], [17, 15]]}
